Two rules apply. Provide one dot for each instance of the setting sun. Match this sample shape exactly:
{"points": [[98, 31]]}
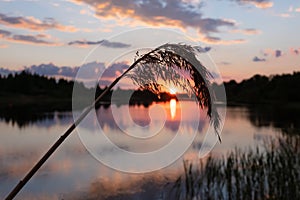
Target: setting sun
{"points": [[172, 90]]}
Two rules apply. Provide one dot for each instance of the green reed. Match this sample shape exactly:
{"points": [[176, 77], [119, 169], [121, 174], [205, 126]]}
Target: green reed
{"points": [[270, 173]]}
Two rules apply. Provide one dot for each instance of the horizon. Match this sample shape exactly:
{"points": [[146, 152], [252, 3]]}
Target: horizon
{"points": [[69, 78]]}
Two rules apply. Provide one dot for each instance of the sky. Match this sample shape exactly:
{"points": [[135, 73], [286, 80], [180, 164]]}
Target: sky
{"points": [[243, 37]]}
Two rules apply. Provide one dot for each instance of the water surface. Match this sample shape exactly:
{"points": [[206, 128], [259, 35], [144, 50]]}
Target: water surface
{"points": [[72, 173]]}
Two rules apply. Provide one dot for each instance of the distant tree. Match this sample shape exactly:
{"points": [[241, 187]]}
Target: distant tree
{"points": [[262, 89]]}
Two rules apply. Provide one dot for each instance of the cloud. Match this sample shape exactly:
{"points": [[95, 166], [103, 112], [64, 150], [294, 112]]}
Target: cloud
{"points": [[115, 70], [295, 51], [288, 13], [104, 83], [6, 72], [278, 53], [34, 24], [175, 13], [86, 12], [4, 33], [202, 49], [292, 9], [38, 39], [114, 44], [257, 59], [224, 63], [88, 71], [83, 43], [285, 15], [217, 40], [257, 3], [92, 70], [53, 70], [209, 25], [55, 4], [30, 39], [106, 43], [248, 31]]}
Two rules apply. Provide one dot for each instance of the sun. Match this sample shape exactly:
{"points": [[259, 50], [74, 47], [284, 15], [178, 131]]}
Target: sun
{"points": [[172, 90]]}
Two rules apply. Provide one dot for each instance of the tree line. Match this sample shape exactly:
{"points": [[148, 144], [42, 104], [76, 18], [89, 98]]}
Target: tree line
{"points": [[26, 83], [264, 89], [257, 89]]}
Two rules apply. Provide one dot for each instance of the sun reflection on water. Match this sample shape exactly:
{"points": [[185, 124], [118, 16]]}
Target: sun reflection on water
{"points": [[173, 108]]}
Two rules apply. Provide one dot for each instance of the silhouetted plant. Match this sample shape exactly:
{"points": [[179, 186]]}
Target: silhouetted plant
{"points": [[177, 64]]}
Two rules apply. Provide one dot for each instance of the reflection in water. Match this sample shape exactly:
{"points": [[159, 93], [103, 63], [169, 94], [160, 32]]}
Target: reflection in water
{"points": [[22, 117], [173, 108], [275, 116], [72, 173]]}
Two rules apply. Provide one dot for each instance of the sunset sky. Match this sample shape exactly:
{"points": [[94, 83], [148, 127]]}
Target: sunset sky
{"points": [[244, 37]]}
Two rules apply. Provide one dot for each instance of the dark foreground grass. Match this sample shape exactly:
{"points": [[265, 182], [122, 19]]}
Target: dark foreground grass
{"points": [[271, 173]]}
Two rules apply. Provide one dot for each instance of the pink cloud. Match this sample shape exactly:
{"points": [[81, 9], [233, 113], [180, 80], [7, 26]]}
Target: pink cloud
{"points": [[167, 13], [285, 15], [34, 24], [257, 3], [216, 40], [39, 39], [249, 31], [263, 5]]}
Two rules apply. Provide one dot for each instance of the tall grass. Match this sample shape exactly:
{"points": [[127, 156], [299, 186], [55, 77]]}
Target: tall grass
{"points": [[270, 173]]}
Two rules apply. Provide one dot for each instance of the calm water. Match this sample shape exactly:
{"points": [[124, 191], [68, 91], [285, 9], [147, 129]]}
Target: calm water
{"points": [[72, 173]]}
